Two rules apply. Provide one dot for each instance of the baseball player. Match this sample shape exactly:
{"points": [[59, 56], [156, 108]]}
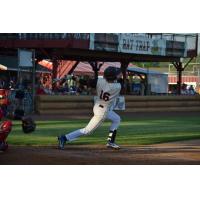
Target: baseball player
{"points": [[107, 91], [5, 129]]}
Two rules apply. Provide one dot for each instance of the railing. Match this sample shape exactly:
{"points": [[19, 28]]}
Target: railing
{"points": [[43, 36], [189, 39]]}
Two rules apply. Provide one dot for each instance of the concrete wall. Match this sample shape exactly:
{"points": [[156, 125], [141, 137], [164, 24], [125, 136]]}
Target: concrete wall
{"points": [[82, 105]]}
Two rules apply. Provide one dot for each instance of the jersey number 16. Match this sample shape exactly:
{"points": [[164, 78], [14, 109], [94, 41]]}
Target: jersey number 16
{"points": [[104, 95]]}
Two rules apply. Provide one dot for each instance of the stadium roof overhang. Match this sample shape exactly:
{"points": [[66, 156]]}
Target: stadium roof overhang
{"points": [[104, 56], [103, 47], [91, 55]]}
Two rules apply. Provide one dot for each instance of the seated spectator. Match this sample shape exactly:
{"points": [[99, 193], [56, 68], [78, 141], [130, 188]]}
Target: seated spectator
{"points": [[184, 89], [82, 90], [12, 85], [191, 90], [40, 90], [48, 91]]}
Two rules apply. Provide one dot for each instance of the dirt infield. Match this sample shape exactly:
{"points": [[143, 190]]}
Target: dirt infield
{"points": [[186, 152], [175, 153]]}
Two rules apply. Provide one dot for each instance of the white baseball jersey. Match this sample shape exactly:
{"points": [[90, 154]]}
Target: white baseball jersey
{"points": [[107, 92]]}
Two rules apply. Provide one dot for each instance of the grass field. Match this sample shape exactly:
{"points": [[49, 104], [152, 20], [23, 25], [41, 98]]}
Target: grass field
{"points": [[131, 131]]}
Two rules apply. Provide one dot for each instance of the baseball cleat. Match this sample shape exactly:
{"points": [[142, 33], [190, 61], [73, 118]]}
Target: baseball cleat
{"points": [[112, 145], [61, 141]]}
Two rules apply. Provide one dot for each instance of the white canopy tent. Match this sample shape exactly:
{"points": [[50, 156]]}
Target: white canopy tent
{"points": [[158, 81]]}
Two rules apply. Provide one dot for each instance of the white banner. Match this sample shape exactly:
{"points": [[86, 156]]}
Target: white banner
{"points": [[129, 43], [158, 47], [25, 58]]}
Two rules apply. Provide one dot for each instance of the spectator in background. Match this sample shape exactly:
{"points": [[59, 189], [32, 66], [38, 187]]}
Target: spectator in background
{"points": [[83, 86], [40, 90], [91, 91], [71, 82], [4, 83], [12, 85], [191, 90], [25, 84], [184, 89]]}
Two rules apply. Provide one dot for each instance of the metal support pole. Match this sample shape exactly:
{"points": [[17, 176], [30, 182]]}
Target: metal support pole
{"points": [[96, 67], [54, 73], [73, 68], [179, 68], [33, 80], [148, 89], [179, 83], [19, 70], [124, 66], [196, 46]]}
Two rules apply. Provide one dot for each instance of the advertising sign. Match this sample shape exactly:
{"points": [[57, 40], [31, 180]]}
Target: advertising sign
{"points": [[104, 41], [136, 44], [158, 47], [129, 43], [25, 58], [175, 48]]}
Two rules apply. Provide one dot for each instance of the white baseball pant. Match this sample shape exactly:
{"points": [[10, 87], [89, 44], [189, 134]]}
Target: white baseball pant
{"points": [[100, 114]]}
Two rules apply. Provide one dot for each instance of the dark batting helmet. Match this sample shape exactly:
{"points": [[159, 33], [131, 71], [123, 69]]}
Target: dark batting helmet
{"points": [[111, 73]]}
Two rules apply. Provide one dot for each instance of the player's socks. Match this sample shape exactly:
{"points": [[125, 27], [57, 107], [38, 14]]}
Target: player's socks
{"points": [[64, 138], [112, 136]]}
